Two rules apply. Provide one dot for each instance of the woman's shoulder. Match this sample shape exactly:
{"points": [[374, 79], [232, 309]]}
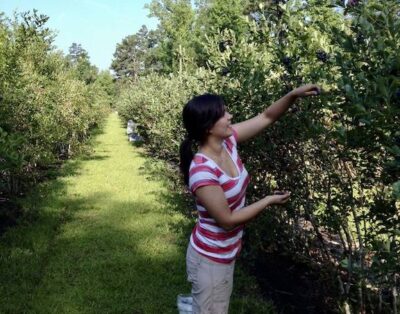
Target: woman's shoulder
{"points": [[199, 159], [201, 164], [203, 172]]}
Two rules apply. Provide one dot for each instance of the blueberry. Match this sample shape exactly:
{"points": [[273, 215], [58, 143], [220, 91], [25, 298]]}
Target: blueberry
{"points": [[397, 140], [398, 94], [322, 55], [224, 71], [352, 3], [222, 46], [360, 38], [286, 61]]}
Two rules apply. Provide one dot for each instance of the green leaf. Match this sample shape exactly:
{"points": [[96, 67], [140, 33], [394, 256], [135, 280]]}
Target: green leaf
{"points": [[344, 263], [348, 89], [396, 190]]}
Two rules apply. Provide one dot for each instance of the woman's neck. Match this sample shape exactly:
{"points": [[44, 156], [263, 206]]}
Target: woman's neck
{"points": [[212, 147]]}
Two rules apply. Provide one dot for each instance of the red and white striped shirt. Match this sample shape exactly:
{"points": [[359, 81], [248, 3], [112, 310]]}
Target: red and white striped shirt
{"points": [[207, 237]]}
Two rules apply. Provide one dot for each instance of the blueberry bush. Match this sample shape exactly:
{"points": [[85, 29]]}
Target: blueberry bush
{"points": [[339, 153], [46, 111]]}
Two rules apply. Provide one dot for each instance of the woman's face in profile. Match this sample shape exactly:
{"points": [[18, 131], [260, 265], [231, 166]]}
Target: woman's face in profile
{"points": [[223, 127]]}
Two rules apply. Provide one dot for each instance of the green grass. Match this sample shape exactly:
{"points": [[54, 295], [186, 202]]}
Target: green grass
{"points": [[107, 236]]}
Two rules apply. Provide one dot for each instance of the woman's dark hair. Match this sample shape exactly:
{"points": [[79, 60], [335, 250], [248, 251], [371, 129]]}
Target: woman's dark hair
{"points": [[199, 115]]}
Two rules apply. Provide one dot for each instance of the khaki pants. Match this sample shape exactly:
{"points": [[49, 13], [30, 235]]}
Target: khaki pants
{"points": [[211, 283]]}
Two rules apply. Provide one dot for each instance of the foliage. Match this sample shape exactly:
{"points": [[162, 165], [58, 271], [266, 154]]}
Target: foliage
{"points": [[178, 42], [176, 18], [80, 63], [135, 55], [214, 17], [158, 110], [339, 154], [48, 105]]}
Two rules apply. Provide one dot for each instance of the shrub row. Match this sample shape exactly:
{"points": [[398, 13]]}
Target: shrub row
{"points": [[46, 112], [155, 102], [338, 154]]}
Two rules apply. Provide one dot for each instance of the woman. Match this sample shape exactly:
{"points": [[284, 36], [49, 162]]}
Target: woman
{"points": [[218, 180]]}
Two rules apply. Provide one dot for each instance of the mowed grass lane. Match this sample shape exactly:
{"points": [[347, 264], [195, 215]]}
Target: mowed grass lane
{"points": [[104, 241]]}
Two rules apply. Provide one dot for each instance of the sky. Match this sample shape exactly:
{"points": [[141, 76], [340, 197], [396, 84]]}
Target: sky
{"points": [[98, 25]]}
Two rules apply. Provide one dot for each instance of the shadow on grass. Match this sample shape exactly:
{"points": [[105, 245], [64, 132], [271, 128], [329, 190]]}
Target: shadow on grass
{"points": [[177, 198], [26, 247], [22, 208], [116, 262], [121, 263], [138, 144], [97, 157]]}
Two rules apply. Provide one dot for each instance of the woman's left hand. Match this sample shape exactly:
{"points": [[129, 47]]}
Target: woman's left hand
{"points": [[306, 90]]}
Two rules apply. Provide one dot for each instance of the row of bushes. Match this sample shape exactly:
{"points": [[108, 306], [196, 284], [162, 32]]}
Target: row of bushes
{"points": [[339, 154], [46, 111], [156, 103]]}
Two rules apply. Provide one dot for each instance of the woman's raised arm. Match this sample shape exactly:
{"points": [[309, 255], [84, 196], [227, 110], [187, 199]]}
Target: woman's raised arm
{"points": [[251, 127]]}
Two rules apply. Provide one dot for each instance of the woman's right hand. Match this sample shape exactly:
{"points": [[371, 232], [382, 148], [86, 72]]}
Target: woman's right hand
{"points": [[278, 198]]}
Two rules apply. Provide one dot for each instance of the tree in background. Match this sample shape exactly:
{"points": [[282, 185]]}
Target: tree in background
{"points": [[80, 62], [175, 49], [135, 55], [178, 42], [76, 53], [105, 84], [214, 17]]}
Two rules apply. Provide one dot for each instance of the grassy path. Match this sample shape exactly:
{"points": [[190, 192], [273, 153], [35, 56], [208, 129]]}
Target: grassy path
{"points": [[104, 243], [106, 236]]}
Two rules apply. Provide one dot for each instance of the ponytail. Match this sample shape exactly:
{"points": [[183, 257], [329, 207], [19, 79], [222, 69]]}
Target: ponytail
{"points": [[186, 156]]}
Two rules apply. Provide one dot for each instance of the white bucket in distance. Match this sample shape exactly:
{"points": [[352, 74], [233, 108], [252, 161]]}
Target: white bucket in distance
{"points": [[184, 303]]}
